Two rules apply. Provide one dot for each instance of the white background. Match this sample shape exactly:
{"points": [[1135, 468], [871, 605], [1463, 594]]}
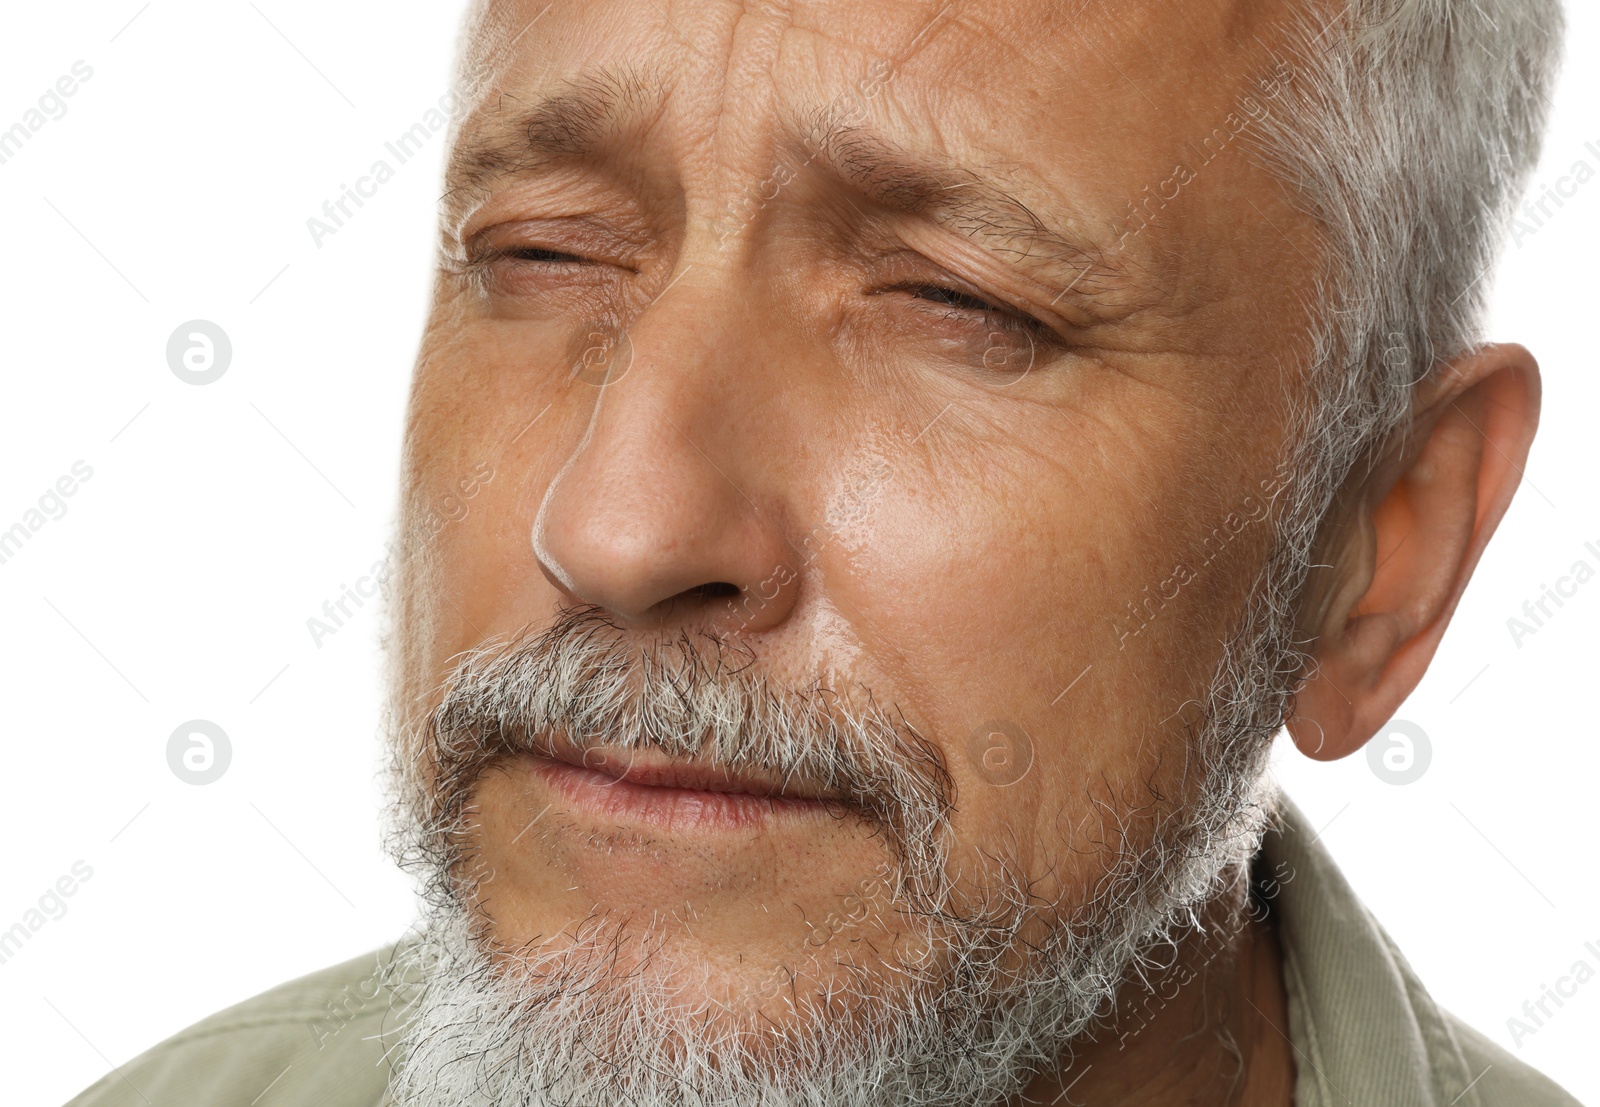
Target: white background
{"points": [[218, 519]]}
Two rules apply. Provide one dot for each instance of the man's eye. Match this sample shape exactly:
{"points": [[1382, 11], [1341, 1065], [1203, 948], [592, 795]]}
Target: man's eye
{"points": [[993, 315], [541, 254], [950, 297], [523, 271]]}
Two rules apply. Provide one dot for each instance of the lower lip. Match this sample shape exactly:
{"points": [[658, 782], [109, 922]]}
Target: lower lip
{"points": [[676, 809]]}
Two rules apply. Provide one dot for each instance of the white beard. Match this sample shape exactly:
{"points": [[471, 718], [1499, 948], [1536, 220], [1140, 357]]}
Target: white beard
{"points": [[966, 1027], [569, 1026], [572, 1026]]}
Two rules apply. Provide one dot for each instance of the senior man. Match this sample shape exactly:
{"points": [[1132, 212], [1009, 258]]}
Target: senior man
{"points": [[936, 447]]}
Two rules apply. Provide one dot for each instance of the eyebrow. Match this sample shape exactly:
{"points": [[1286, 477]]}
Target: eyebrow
{"points": [[563, 125], [585, 112], [971, 203]]}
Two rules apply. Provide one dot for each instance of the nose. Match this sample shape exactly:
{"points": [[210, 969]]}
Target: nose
{"points": [[668, 511]]}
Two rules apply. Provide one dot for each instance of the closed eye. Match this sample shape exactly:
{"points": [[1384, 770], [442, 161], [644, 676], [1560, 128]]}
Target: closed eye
{"points": [[526, 269], [539, 253], [992, 314], [949, 297]]}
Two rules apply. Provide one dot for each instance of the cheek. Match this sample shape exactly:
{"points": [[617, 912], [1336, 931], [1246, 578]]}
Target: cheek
{"points": [[998, 599], [479, 574], [471, 570]]}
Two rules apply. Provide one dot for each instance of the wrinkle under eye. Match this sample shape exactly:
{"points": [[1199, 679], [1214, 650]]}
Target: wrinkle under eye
{"points": [[530, 276]]}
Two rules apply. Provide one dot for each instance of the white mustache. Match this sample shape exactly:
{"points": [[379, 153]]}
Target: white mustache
{"points": [[581, 684]]}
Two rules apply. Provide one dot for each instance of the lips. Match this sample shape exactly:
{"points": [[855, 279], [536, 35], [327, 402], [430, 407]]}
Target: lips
{"points": [[659, 771], [629, 786]]}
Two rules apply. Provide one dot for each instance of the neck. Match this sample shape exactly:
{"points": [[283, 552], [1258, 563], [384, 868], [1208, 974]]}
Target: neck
{"points": [[1211, 1030]]}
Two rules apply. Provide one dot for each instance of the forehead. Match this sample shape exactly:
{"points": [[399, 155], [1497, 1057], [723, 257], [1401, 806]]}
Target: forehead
{"points": [[1087, 119], [1072, 76]]}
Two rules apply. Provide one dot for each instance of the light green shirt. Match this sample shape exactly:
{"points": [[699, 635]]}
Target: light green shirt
{"points": [[1364, 1031]]}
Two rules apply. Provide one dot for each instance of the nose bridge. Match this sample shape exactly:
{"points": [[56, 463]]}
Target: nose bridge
{"points": [[666, 509], [671, 382]]}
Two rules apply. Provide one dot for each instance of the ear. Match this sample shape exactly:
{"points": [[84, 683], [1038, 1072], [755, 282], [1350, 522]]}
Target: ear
{"points": [[1403, 542]]}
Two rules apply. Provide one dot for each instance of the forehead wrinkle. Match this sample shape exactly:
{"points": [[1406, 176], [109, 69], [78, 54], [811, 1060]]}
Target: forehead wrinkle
{"points": [[587, 111], [567, 123], [964, 200]]}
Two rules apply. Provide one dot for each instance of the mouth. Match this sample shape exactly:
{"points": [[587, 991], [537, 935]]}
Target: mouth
{"points": [[649, 789]]}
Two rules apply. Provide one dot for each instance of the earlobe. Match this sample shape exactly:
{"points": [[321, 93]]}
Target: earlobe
{"points": [[1401, 553], [1322, 714]]}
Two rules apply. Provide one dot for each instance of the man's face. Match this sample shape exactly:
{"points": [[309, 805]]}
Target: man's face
{"points": [[914, 351]]}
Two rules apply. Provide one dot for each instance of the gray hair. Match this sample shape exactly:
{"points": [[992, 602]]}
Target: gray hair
{"points": [[1408, 131]]}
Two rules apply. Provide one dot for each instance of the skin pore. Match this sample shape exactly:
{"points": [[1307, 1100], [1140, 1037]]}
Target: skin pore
{"points": [[936, 343]]}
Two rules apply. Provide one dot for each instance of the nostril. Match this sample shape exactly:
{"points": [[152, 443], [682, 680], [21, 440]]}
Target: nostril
{"points": [[717, 589], [699, 597]]}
